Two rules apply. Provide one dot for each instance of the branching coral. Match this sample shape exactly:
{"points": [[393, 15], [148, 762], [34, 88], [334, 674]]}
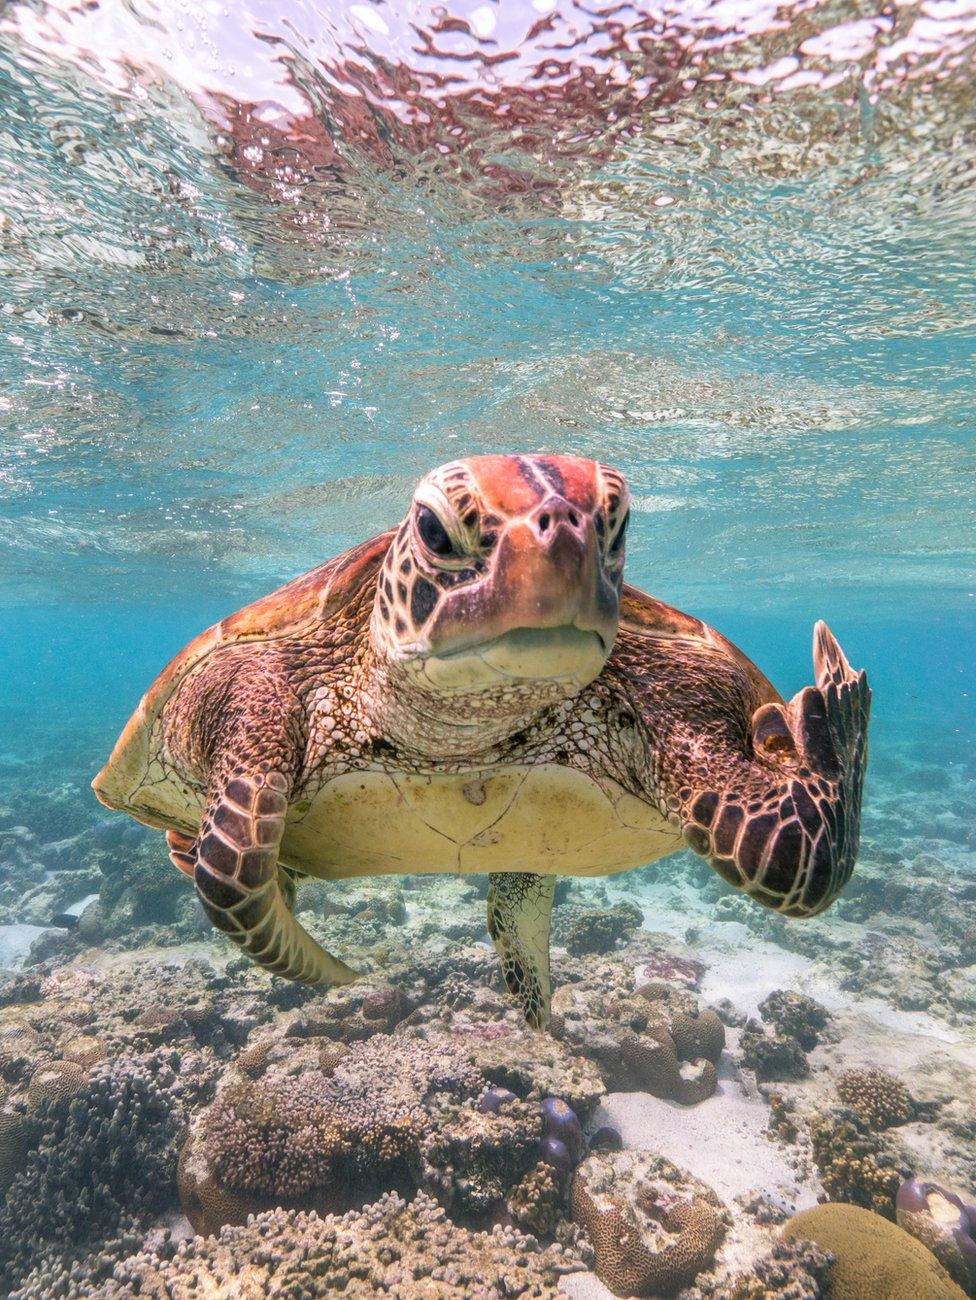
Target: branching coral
{"points": [[471, 1158], [856, 1165], [104, 1154], [880, 1099], [534, 1201], [390, 1248]]}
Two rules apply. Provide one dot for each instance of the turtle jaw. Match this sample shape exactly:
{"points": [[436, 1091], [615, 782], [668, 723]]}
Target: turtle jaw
{"points": [[565, 655]]}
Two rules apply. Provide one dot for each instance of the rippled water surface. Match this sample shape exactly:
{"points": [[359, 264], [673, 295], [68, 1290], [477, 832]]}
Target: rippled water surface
{"points": [[263, 265]]}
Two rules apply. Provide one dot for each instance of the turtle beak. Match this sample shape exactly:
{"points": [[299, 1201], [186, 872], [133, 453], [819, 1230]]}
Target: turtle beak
{"points": [[547, 574]]}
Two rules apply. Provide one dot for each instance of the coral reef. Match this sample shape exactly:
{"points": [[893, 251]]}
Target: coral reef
{"points": [[103, 1154], [793, 1270], [536, 1066], [410, 1251], [874, 1259], [880, 1099], [772, 1057], [794, 1015], [653, 1227], [595, 929], [661, 1044], [856, 1165], [393, 1113], [945, 1223]]}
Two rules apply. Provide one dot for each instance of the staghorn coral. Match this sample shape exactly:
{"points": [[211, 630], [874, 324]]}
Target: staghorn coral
{"points": [[103, 1155], [943, 1222], [410, 1251], [874, 1259], [880, 1099], [653, 1227], [855, 1165], [794, 1015]]}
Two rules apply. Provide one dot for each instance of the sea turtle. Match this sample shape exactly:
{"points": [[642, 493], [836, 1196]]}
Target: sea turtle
{"points": [[478, 690]]}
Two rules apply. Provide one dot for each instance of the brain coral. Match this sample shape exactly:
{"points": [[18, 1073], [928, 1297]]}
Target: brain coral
{"points": [[639, 1042], [653, 1227], [17, 1134], [874, 1259], [54, 1080], [880, 1099], [390, 1248]]}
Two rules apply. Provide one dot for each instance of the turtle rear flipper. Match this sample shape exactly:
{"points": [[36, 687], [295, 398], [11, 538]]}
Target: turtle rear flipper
{"points": [[519, 913]]}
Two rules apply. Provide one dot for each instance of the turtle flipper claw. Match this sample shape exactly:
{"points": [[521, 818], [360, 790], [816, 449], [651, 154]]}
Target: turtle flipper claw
{"points": [[182, 851], [830, 720]]}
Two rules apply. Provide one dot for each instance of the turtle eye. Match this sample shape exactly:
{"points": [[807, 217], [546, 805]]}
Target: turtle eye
{"points": [[617, 545], [432, 532]]}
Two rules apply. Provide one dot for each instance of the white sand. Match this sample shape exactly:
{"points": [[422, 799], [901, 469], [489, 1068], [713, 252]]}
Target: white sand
{"points": [[15, 942]]}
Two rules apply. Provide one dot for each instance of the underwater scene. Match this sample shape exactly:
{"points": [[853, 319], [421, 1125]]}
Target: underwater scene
{"points": [[464, 920]]}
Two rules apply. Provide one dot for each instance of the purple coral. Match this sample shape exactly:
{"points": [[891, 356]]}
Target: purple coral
{"points": [[673, 969], [494, 1099], [556, 1153], [943, 1222], [561, 1121]]}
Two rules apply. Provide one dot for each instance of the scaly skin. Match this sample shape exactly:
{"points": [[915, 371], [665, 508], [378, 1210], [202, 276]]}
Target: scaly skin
{"points": [[423, 665]]}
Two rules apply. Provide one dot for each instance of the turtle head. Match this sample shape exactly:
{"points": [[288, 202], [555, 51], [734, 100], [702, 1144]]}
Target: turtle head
{"points": [[503, 581]]}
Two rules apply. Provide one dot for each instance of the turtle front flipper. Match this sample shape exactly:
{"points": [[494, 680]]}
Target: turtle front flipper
{"points": [[783, 823], [519, 912], [239, 881]]}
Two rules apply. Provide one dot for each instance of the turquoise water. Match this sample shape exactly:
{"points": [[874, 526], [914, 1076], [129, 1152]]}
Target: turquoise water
{"points": [[758, 305], [259, 271]]}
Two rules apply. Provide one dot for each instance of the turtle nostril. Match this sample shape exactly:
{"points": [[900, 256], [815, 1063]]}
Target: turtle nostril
{"points": [[573, 518], [543, 523]]}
